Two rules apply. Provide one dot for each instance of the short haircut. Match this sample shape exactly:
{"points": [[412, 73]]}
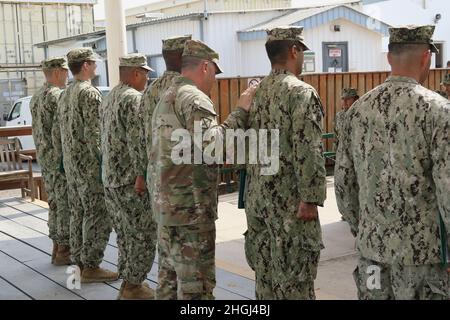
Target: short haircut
{"points": [[126, 71], [48, 72], [173, 59], [172, 54], [75, 67], [278, 50], [189, 62], [402, 48]]}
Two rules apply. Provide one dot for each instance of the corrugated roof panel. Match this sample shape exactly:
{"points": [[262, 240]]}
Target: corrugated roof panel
{"points": [[311, 18]]}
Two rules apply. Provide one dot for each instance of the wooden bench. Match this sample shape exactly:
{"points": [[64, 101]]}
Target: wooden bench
{"points": [[12, 169]]}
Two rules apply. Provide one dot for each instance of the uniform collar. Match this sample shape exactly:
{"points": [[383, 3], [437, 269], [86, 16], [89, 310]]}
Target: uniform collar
{"points": [[402, 79], [277, 72], [184, 80], [171, 73]]}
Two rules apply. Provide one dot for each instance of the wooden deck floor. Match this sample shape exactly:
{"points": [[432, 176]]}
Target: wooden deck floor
{"points": [[26, 272]]}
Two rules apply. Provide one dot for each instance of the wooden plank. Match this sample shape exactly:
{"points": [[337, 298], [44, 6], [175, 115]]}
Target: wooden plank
{"points": [[346, 81], [224, 289], [384, 76], [234, 93], [369, 82], [215, 94], [3, 164], [331, 106], [9, 292], [361, 84], [323, 91], [306, 79], [315, 82], [16, 131], [437, 78], [31, 282], [354, 80], [224, 98], [339, 85], [243, 84], [39, 262], [431, 83], [427, 83]]}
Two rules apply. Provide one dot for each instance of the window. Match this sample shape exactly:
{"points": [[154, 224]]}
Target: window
{"points": [[15, 113]]}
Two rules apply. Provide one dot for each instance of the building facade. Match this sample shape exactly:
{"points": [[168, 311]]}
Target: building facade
{"points": [[341, 37], [22, 25]]}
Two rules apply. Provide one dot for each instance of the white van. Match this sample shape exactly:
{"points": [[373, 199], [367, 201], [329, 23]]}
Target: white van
{"points": [[20, 115]]}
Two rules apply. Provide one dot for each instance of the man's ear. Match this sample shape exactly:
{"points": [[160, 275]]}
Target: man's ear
{"points": [[425, 56], [205, 66], [294, 52]]}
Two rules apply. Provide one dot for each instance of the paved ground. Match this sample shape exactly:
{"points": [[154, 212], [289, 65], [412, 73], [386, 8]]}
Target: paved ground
{"points": [[24, 248]]}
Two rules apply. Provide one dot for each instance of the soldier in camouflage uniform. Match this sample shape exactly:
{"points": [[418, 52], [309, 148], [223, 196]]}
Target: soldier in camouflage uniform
{"points": [[284, 239], [446, 84], [172, 50], [184, 196], [133, 222], [43, 107], [78, 113], [393, 177], [349, 97]]}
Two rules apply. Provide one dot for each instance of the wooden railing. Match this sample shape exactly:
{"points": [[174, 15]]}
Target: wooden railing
{"points": [[6, 132], [225, 93], [21, 131]]}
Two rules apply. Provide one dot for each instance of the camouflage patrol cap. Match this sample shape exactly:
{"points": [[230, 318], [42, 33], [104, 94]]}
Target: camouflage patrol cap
{"points": [[82, 55], [349, 93], [446, 80], [175, 43], [198, 49], [135, 60], [292, 33], [55, 63], [413, 34]]}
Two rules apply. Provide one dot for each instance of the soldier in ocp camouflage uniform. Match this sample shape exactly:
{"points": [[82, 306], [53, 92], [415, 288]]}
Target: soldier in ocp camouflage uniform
{"points": [[43, 107], [172, 50], [284, 239], [393, 177], [349, 97], [78, 113], [133, 221], [184, 196]]}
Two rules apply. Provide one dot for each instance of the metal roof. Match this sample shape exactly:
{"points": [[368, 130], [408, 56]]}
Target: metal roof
{"points": [[101, 33], [313, 17]]}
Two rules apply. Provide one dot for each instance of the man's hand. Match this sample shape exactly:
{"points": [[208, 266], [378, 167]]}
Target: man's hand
{"points": [[307, 212], [246, 99], [139, 186]]}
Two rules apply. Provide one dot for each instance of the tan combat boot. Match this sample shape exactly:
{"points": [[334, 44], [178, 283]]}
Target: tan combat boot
{"points": [[55, 250], [137, 292], [62, 256], [91, 275]]}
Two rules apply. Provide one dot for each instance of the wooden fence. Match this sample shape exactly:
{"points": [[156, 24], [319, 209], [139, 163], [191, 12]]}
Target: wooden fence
{"points": [[225, 93]]}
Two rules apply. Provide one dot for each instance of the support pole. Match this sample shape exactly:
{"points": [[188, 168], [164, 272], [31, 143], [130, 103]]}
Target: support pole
{"points": [[116, 38]]}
